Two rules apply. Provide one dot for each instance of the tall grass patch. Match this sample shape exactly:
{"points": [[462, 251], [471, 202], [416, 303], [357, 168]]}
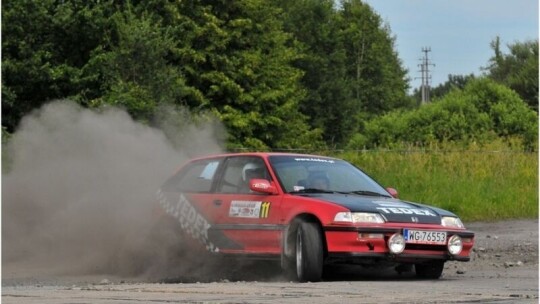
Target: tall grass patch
{"points": [[478, 184]]}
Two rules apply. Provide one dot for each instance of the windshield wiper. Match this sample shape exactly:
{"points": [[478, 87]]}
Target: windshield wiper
{"points": [[312, 190], [366, 192]]}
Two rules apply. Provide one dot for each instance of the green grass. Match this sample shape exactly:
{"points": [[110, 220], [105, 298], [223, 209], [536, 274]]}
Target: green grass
{"points": [[477, 184]]}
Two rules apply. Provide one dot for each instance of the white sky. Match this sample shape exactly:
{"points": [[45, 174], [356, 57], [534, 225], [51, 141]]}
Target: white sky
{"points": [[459, 32]]}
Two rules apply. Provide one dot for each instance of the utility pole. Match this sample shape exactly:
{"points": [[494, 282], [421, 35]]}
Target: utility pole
{"points": [[426, 77]]}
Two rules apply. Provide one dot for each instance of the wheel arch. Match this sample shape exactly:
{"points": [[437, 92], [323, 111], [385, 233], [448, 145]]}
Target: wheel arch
{"points": [[289, 238]]}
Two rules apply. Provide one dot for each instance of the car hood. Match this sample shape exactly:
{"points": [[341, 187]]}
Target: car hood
{"points": [[393, 210]]}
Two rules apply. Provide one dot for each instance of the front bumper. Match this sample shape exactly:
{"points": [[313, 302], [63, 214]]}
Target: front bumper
{"points": [[362, 244]]}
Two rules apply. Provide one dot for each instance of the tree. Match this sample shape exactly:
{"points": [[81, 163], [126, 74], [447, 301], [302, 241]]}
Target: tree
{"points": [[133, 69], [518, 70], [375, 70], [351, 70], [232, 59], [329, 103], [238, 60], [45, 44]]}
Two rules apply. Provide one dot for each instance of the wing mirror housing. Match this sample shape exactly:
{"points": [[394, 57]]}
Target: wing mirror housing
{"points": [[262, 186], [393, 192]]}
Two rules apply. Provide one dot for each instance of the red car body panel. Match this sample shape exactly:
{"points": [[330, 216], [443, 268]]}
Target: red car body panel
{"points": [[259, 223]]}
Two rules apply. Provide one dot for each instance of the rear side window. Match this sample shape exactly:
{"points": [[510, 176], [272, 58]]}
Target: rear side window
{"points": [[196, 177]]}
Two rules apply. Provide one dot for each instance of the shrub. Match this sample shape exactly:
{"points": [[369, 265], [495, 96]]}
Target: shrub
{"points": [[481, 111]]}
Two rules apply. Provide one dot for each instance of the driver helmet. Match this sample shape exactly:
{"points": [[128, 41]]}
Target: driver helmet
{"points": [[247, 170], [319, 180]]}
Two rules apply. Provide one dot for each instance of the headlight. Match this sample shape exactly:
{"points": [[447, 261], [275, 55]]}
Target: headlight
{"points": [[455, 245], [359, 217], [450, 221]]}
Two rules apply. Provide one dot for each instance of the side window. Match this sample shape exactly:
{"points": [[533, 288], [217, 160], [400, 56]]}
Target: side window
{"points": [[239, 171], [196, 177]]}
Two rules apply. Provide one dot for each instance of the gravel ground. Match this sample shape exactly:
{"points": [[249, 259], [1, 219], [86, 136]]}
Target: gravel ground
{"points": [[503, 269]]}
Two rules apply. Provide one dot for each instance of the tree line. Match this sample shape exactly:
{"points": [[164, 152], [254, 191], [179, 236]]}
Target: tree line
{"points": [[278, 74]]}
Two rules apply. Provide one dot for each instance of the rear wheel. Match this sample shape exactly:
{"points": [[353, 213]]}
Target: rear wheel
{"points": [[430, 270], [308, 252]]}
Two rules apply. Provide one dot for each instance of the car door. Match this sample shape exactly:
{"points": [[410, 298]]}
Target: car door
{"points": [[249, 219]]}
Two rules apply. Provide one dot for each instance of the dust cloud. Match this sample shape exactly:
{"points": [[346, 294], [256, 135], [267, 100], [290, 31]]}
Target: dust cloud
{"points": [[78, 196]]}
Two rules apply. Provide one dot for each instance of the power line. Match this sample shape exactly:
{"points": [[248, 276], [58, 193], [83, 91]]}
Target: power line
{"points": [[425, 76]]}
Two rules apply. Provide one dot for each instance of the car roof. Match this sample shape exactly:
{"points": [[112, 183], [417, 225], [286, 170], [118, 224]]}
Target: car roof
{"points": [[261, 154]]}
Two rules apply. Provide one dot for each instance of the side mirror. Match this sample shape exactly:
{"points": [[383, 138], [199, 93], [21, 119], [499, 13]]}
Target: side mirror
{"points": [[393, 192], [262, 186]]}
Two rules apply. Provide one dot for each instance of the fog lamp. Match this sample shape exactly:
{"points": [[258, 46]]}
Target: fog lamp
{"points": [[455, 245], [396, 243]]}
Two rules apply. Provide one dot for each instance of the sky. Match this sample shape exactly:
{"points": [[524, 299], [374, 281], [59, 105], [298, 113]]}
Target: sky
{"points": [[459, 32]]}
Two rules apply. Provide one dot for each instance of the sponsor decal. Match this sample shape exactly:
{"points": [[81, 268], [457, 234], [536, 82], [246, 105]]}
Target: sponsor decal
{"points": [[416, 211], [191, 221], [312, 159], [402, 208], [249, 209], [298, 188]]}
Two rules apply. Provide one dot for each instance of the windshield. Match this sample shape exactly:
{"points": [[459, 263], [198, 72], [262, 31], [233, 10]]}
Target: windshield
{"points": [[298, 174]]}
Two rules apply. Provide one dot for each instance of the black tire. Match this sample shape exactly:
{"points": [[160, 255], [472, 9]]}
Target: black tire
{"points": [[430, 270], [308, 253]]}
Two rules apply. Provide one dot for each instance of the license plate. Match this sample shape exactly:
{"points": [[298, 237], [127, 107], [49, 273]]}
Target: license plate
{"points": [[424, 237]]}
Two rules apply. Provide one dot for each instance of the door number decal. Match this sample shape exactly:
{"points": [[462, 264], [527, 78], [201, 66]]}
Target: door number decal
{"points": [[265, 208]]}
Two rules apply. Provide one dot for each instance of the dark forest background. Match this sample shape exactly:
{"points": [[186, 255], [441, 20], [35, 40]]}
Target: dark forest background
{"points": [[282, 74]]}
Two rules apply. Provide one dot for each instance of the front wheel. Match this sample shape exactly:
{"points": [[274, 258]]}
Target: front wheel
{"points": [[430, 270], [308, 252]]}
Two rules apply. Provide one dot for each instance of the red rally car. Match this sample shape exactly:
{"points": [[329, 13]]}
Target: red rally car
{"points": [[308, 211]]}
